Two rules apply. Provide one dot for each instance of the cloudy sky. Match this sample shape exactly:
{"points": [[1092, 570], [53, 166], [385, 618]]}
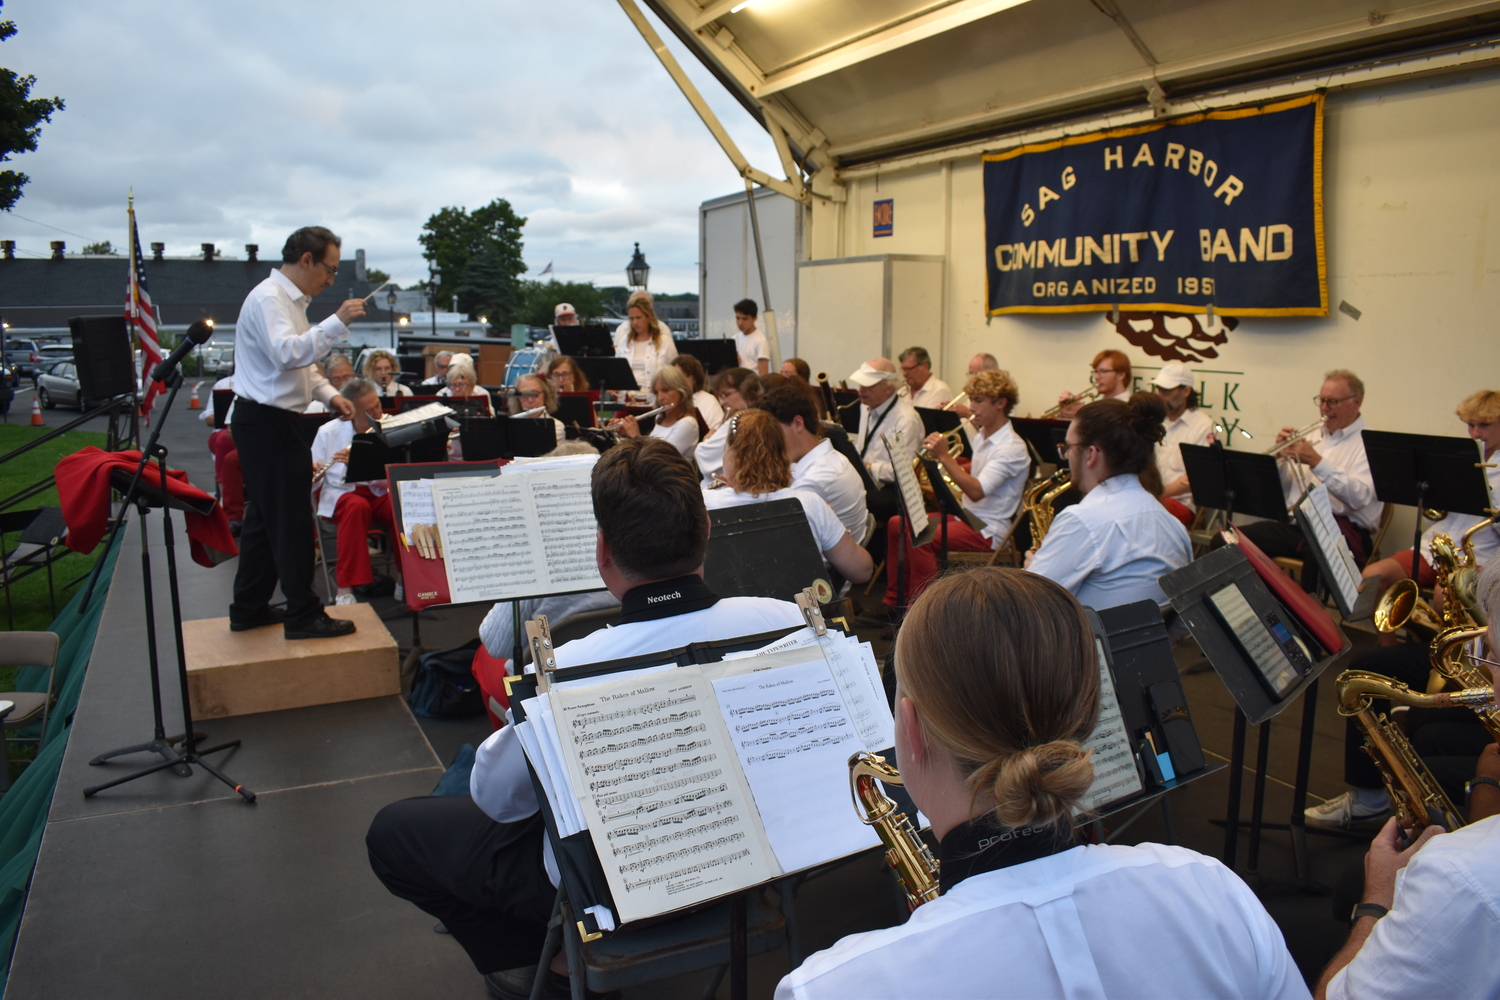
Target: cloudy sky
{"points": [[237, 123]]}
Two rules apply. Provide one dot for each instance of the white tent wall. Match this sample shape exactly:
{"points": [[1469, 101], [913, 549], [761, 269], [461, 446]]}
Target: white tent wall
{"points": [[727, 268], [1412, 228]]}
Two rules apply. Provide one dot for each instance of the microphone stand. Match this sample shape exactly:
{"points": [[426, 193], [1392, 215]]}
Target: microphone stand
{"points": [[179, 762]]}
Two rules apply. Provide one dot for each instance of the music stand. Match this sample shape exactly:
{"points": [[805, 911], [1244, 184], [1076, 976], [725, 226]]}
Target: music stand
{"points": [[1043, 435], [222, 400], [947, 504], [941, 422], [846, 405], [716, 355], [1236, 482], [608, 373], [1427, 470], [764, 550], [308, 424], [575, 409], [490, 438], [587, 340]]}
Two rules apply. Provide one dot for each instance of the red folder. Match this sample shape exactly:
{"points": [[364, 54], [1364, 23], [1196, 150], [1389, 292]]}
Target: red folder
{"points": [[1303, 606], [425, 580]]}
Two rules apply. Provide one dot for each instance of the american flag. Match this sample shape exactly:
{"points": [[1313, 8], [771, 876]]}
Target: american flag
{"points": [[545, 270], [140, 317]]}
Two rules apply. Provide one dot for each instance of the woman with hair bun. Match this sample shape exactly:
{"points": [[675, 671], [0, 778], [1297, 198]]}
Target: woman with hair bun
{"points": [[1113, 546], [997, 688]]}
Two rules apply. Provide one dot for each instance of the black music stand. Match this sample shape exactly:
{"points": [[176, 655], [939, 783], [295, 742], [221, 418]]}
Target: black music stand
{"points": [[908, 526], [608, 373], [1191, 591], [764, 550], [573, 410], [587, 340], [139, 491], [716, 355], [1427, 470], [489, 438], [846, 405], [222, 400], [1236, 482], [941, 422]]}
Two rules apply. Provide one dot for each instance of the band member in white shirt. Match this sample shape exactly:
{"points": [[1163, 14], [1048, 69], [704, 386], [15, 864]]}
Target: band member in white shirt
{"points": [[643, 340], [997, 691], [1110, 373], [736, 389], [883, 413], [926, 388], [563, 314], [535, 392], [816, 465], [1114, 545], [990, 489], [751, 345], [274, 380], [381, 367], [1185, 424], [354, 507], [678, 426], [463, 383], [339, 371], [439, 377], [703, 401], [1333, 455]]}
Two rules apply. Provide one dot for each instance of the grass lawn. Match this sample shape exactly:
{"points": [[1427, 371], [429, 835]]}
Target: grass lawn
{"points": [[28, 597]]}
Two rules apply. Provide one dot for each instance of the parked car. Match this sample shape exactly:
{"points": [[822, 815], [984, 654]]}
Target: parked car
{"points": [[23, 355], [217, 356], [54, 352], [57, 384]]}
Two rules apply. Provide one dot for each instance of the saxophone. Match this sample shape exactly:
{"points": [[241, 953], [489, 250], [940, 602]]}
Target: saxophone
{"points": [[1415, 796], [1038, 499], [1450, 658], [906, 853]]}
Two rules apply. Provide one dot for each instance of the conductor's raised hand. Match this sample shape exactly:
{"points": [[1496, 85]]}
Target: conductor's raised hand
{"points": [[343, 407], [351, 310]]}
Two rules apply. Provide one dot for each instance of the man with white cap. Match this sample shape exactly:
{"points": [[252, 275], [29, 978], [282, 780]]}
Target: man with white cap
{"points": [[883, 413], [1185, 424], [564, 315]]}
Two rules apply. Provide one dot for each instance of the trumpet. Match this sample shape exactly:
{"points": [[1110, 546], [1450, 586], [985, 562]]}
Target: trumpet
{"points": [[1086, 396], [906, 853], [1304, 432], [953, 442]]}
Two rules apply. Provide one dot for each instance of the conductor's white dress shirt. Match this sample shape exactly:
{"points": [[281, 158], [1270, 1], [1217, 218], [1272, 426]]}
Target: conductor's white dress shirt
{"points": [[275, 347]]}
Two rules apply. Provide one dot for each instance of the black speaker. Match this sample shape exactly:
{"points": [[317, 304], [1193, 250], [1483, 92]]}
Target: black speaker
{"points": [[101, 350]]}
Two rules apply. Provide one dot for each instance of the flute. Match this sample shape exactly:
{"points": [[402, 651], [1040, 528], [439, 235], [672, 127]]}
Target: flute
{"points": [[535, 411], [649, 413]]}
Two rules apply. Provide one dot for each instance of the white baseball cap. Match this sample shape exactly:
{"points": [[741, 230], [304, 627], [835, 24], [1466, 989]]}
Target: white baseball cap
{"points": [[1174, 374], [564, 309], [867, 376]]}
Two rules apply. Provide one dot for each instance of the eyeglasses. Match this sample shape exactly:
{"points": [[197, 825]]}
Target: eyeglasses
{"points": [[1102, 371], [1330, 403], [910, 368], [530, 395], [333, 272], [1063, 447]]}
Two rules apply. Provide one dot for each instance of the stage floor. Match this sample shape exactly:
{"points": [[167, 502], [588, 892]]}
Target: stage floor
{"points": [[169, 885]]}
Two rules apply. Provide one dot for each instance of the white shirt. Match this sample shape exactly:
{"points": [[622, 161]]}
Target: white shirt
{"points": [[1000, 463], [706, 404], [332, 438], [934, 394], [1345, 469], [751, 347], [477, 390], [500, 783], [682, 435], [275, 346], [1193, 427], [1113, 546], [395, 389], [497, 631], [898, 416], [1099, 921], [1439, 938], [1487, 541], [710, 454], [825, 471], [827, 529], [646, 359]]}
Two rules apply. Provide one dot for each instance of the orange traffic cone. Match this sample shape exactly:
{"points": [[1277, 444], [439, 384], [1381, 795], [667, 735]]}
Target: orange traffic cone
{"points": [[36, 413], [194, 403]]}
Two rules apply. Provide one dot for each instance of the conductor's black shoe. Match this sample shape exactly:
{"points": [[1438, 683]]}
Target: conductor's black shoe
{"points": [[267, 615], [321, 627]]}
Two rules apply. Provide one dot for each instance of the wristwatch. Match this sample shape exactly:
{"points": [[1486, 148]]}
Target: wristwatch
{"points": [[1483, 779]]}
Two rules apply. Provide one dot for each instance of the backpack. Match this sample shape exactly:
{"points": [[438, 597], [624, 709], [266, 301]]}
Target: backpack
{"points": [[443, 686]]}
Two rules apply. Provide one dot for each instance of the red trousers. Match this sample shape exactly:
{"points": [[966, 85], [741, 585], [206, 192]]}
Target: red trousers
{"points": [[227, 474], [919, 565], [354, 514], [1426, 575]]}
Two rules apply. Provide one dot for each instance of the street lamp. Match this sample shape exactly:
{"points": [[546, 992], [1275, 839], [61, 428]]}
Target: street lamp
{"points": [[637, 271], [390, 301]]}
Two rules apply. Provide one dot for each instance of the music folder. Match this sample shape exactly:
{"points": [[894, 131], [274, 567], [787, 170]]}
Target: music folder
{"points": [[764, 550], [608, 373], [1329, 549]]}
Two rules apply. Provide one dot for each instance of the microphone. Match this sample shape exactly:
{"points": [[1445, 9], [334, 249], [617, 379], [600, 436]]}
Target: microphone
{"points": [[197, 334]]}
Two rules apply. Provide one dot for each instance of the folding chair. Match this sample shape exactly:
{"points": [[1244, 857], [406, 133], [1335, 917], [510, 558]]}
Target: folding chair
{"points": [[27, 649]]}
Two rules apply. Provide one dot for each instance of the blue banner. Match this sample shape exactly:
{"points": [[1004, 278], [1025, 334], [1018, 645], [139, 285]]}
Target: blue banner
{"points": [[1221, 209]]}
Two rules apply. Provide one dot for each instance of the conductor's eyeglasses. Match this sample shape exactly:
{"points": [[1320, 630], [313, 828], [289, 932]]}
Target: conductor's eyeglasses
{"points": [[333, 272]]}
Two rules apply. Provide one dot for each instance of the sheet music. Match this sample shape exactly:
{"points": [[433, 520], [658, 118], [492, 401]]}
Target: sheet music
{"points": [[906, 482], [1113, 758], [1316, 510], [416, 415], [668, 811], [416, 503], [518, 535], [794, 738]]}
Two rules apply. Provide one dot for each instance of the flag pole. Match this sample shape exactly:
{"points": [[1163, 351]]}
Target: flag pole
{"points": [[130, 308]]}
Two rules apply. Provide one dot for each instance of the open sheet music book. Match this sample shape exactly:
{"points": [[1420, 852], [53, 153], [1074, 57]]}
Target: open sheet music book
{"points": [[1315, 513], [696, 781], [906, 483], [417, 414], [528, 532], [1116, 775]]}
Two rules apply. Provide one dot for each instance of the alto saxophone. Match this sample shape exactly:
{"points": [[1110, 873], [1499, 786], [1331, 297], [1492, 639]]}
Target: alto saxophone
{"points": [[1450, 658], [906, 853], [1416, 798], [1038, 499]]}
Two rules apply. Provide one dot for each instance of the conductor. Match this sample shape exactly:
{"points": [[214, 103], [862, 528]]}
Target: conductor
{"points": [[275, 380]]}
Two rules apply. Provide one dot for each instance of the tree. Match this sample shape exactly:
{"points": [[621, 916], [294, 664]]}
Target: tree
{"points": [[375, 276], [21, 117], [539, 298], [105, 249], [455, 238]]}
